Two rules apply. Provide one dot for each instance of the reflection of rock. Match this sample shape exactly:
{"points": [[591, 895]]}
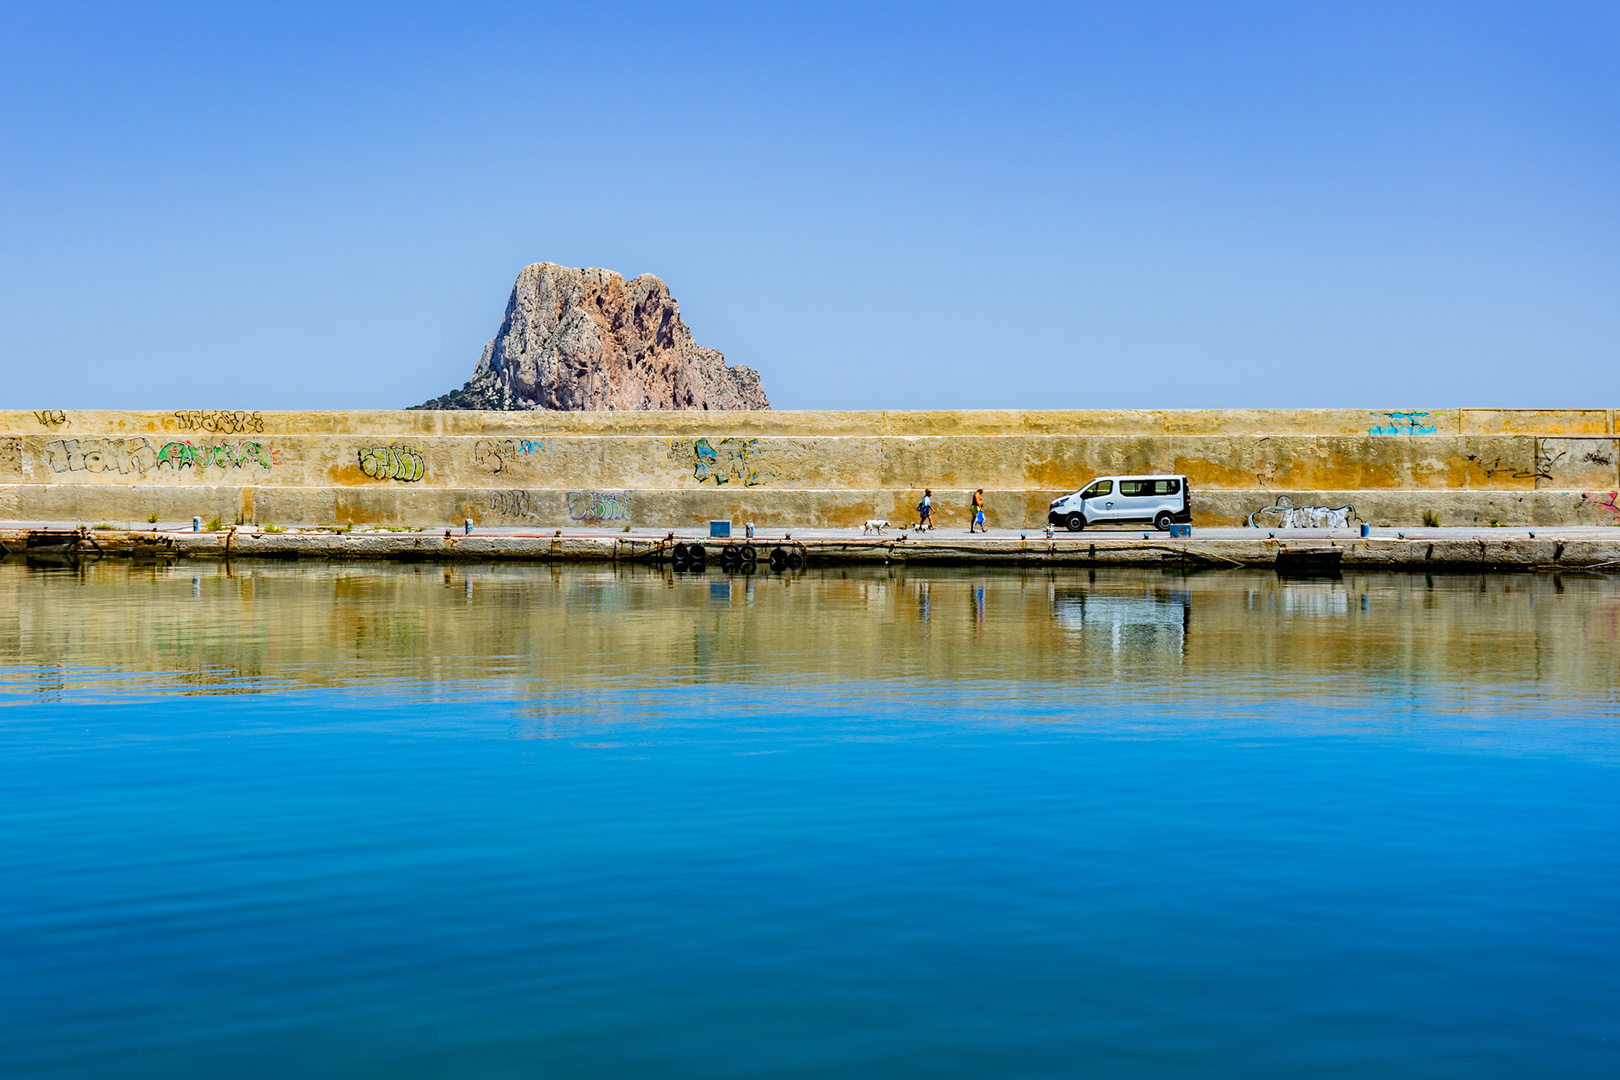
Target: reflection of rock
{"points": [[587, 339]]}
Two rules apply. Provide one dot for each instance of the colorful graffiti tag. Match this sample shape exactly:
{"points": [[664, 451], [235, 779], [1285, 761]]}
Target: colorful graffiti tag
{"points": [[136, 456], [1604, 501], [595, 506], [1403, 423], [727, 462], [185, 455], [392, 463]]}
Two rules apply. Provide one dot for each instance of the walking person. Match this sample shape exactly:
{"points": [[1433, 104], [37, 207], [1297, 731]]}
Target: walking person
{"points": [[976, 518], [925, 510]]}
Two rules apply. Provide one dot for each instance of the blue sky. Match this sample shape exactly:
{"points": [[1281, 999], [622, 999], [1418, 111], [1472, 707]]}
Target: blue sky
{"points": [[1128, 205]]}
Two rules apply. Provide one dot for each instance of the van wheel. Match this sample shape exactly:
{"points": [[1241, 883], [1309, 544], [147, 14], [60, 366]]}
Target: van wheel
{"points": [[1076, 522], [1163, 522]]}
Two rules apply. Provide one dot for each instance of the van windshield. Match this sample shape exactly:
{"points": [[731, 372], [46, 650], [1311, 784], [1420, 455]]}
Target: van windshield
{"points": [[1101, 487]]}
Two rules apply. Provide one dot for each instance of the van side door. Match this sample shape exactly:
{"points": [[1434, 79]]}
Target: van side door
{"points": [[1135, 502], [1099, 501]]}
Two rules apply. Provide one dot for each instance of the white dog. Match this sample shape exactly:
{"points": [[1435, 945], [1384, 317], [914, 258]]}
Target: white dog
{"points": [[875, 525]]}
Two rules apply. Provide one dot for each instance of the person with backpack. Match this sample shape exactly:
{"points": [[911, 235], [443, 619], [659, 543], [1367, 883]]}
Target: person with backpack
{"points": [[925, 510]]}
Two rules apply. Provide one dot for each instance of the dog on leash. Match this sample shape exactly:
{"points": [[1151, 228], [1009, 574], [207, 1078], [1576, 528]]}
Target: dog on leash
{"points": [[875, 525]]}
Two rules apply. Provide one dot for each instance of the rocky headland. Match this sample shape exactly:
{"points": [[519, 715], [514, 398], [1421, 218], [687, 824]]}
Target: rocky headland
{"points": [[589, 340]]}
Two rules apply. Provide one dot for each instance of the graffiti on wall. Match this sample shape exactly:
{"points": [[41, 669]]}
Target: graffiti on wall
{"points": [[123, 456], [586, 507], [1575, 463], [1494, 468], [1603, 502], [1403, 423], [1283, 514], [747, 462], [10, 456], [186, 455], [1547, 457], [50, 417], [727, 461], [595, 506], [500, 454], [516, 504], [136, 456], [220, 421], [401, 463]]}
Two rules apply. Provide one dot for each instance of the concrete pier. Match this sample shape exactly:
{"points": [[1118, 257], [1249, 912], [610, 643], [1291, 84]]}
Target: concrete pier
{"points": [[1475, 467], [1561, 549], [798, 470]]}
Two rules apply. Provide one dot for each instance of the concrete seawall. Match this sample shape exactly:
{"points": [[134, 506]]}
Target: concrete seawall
{"points": [[795, 469]]}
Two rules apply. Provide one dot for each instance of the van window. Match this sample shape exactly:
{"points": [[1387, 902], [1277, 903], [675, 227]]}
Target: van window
{"points": [[1166, 487], [1135, 487], [1101, 487]]}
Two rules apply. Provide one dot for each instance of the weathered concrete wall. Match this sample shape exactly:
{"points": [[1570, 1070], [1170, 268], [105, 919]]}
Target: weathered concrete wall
{"points": [[1467, 466]]}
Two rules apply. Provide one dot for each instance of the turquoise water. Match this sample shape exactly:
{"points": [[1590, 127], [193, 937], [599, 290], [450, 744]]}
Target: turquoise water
{"points": [[355, 821]]}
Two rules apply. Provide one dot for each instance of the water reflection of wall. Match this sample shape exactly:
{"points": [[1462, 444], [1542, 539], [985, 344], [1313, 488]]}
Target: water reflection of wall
{"points": [[535, 629], [1315, 599]]}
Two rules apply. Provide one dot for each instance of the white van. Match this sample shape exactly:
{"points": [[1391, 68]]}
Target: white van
{"points": [[1160, 500]]}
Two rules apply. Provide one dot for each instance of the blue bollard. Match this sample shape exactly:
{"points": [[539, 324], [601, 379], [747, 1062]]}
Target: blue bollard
{"points": [[196, 524], [466, 526], [1365, 529]]}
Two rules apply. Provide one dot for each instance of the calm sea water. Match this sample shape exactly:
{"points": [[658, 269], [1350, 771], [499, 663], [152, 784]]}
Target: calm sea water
{"points": [[279, 820]]}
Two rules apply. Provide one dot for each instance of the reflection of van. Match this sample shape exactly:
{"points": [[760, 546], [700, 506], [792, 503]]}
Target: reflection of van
{"points": [[1162, 500], [1135, 624]]}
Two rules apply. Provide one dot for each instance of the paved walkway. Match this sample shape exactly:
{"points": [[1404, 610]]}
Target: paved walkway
{"points": [[955, 536]]}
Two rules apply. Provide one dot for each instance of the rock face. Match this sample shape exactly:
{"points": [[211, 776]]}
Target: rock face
{"points": [[588, 339]]}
